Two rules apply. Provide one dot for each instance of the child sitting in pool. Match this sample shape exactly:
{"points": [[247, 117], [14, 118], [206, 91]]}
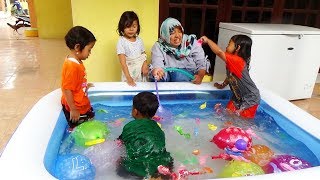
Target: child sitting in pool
{"points": [[144, 140], [75, 102]]}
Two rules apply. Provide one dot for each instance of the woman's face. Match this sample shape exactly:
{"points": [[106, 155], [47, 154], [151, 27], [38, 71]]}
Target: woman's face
{"points": [[176, 37]]}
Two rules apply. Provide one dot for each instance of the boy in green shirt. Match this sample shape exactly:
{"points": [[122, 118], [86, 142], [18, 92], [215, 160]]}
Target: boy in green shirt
{"points": [[144, 140]]}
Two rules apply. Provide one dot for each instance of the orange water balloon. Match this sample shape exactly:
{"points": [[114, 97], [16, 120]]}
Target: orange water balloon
{"points": [[259, 154]]}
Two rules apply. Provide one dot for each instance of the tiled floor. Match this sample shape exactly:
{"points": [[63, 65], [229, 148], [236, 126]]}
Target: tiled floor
{"points": [[30, 69]]}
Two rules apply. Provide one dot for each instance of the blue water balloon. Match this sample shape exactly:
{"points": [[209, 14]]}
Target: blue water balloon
{"points": [[74, 166]]}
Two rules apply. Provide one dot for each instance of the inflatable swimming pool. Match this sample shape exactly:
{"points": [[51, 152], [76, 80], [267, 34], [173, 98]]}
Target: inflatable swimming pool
{"points": [[23, 157]]}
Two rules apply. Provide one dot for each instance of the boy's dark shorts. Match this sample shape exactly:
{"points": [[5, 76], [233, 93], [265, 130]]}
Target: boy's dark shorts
{"points": [[83, 117]]}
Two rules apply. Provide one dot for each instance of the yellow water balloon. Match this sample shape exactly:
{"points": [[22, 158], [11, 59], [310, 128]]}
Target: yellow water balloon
{"points": [[212, 127], [203, 106]]}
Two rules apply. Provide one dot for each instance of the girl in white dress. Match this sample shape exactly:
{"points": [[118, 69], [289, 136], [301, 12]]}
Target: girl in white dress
{"points": [[130, 49]]}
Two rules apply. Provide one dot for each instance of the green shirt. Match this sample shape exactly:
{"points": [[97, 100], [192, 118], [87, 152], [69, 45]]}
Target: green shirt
{"points": [[145, 146]]}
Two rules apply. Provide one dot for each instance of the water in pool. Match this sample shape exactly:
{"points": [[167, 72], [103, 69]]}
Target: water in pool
{"points": [[193, 113]]}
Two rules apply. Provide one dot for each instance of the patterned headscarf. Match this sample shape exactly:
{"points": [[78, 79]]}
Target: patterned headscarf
{"points": [[166, 29]]}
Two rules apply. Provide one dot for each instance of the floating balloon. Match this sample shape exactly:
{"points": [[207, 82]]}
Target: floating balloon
{"points": [[196, 152], [282, 163], [259, 154], [182, 173], [227, 138], [185, 158], [197, 121], [90, 133], [228, 124], [159, 124], [240, 168], [231, 154], [199, 42], [105, 155], [241, 144], [102, 111], [74, 166], [156, 118], [118, 122], [212, 127], [203, 106], [181, 132]]}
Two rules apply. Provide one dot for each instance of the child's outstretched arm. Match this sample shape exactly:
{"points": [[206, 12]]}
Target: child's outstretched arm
{"points": [[125, 70], [214, 47], [89, 85], [221, 86]]}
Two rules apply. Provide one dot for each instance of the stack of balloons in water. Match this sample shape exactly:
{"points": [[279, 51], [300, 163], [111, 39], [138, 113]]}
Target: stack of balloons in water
{"points": [[255, 159], [78, 166], [235, 141], [104, 156]]}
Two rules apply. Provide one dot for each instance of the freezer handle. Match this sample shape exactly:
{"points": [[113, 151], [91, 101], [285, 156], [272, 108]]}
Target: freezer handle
{"points": [[294, 35]]}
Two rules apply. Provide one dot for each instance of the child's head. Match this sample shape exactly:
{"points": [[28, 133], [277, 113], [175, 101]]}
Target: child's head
{"points": [[80, 40], [240, 45], [129, 25], [145, 105]]}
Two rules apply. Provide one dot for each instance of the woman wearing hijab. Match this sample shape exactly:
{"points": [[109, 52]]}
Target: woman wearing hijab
{"points": [[174, 49]]}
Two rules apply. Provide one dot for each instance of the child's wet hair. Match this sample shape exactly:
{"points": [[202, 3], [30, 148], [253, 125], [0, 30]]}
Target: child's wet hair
{"points": [[245, 44], [126, 20], [146, 103], [79, 35]]}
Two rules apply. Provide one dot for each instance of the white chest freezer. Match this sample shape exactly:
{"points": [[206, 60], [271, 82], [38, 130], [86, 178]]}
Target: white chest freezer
{"points": [[284, 57]]}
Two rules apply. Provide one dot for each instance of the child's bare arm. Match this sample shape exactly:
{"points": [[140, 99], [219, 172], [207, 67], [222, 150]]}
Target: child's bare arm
{"points": [[221, 86], [214, 47], [74, 112], [89, 85], [125, 70], [145, 68]]}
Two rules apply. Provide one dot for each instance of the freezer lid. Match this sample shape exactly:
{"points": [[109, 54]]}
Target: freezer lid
{"points": [[259, 28]]}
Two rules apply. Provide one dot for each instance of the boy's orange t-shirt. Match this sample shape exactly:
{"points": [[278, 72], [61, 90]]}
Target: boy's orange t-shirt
{"points": [[74, 78]]}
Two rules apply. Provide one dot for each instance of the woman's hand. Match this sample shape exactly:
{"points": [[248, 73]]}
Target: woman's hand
{"points": [[158, 73], [197, 79], [199, 76]]}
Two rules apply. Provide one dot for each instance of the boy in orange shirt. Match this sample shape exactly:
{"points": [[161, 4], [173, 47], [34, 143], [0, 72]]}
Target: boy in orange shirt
{"points": [[75, 102]]}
